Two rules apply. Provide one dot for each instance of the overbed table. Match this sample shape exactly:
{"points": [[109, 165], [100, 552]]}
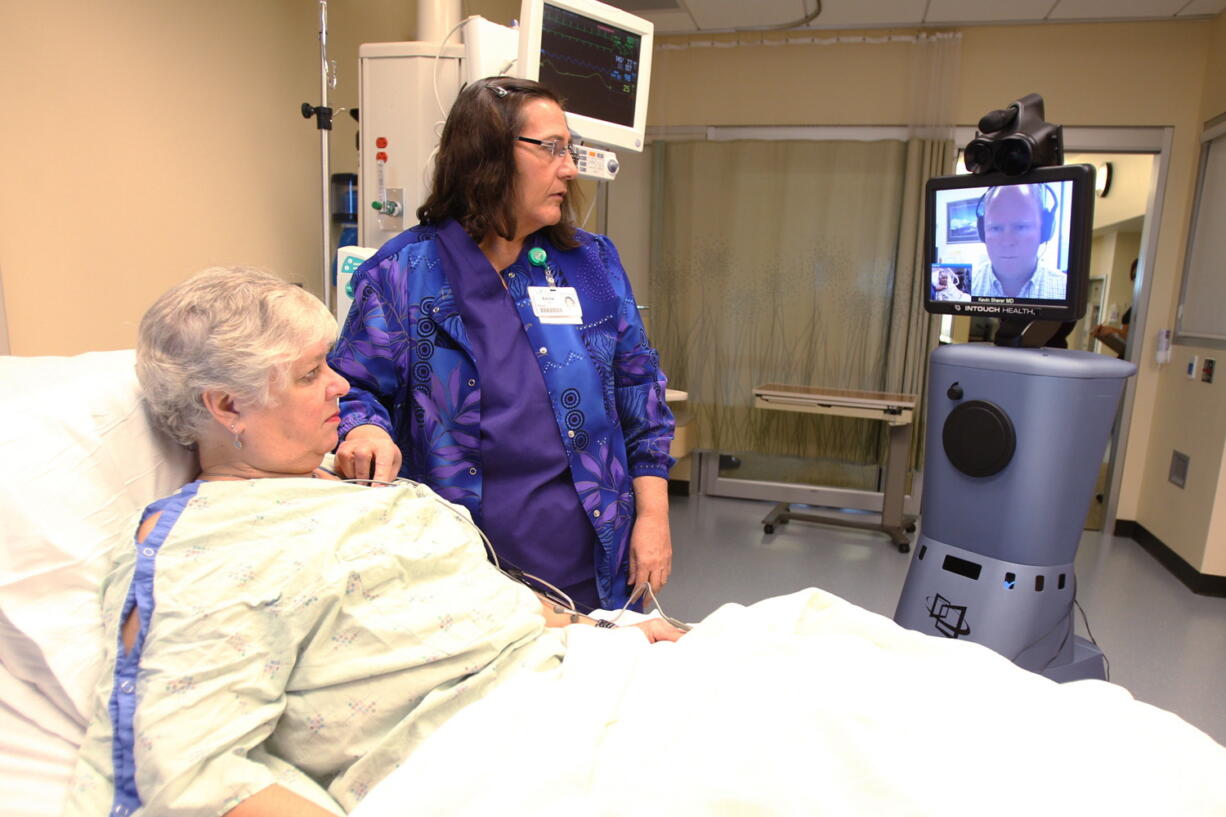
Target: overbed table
{"points": [[895, 410]]}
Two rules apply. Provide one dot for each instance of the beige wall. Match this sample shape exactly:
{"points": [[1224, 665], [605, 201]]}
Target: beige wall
{"points": [[1214, 98], [1213, 106], [351, 23], [1124, 74], [1117, 238], [842, 84], [1093, 74], [1102, 255], [1102, 74], [1190, 416], [145, 140], [1129, 192], [1120, 287]]}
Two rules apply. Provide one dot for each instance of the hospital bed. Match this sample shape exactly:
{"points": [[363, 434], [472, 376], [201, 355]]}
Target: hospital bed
{"points": [[852, 727], [77, 458]]}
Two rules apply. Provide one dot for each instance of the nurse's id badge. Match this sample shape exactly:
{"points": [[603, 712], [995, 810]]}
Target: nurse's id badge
{"points": [[556, 304]]}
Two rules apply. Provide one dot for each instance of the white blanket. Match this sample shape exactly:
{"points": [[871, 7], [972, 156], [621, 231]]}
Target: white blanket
{"points": [[804, 704]]}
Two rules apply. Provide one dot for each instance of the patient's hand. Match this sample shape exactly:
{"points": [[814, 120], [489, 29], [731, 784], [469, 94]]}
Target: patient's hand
{"points": [[274, 801], [368, 452], [657, 629]]}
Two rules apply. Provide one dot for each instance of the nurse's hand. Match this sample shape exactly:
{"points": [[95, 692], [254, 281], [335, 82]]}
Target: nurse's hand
{"points": [[368, 452], [651, 550]]}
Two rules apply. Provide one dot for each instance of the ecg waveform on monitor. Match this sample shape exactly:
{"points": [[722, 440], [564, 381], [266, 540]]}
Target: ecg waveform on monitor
{"points": [[594, 66], [574, 69]]}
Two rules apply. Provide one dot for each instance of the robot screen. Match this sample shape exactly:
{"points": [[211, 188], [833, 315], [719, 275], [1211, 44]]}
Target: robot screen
{"points": [[1010, 246]]}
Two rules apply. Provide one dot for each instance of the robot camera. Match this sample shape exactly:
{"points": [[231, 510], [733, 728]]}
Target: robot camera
{"points": [[1014, 140]]}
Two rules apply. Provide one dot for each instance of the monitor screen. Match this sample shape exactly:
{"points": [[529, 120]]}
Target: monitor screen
{"points": [[597, 58], [1010, 246]]}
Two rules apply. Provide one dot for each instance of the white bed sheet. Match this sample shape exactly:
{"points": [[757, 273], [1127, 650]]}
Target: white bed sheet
{"points": [[804, 705]]}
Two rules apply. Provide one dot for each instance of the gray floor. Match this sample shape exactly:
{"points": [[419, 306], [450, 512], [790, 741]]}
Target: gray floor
{"points": [[1166, 645]]}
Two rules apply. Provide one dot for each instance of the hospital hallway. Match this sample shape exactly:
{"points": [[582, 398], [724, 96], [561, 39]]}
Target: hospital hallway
{"points": [[1165, 644]]}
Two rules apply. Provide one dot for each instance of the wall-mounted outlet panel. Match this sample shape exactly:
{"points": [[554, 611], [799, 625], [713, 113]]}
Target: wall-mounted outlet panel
{"points": [[1179, 468]]}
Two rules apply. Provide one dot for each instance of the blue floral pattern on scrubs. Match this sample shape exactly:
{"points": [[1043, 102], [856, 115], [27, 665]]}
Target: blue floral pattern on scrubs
{"points": [[407, 354]]}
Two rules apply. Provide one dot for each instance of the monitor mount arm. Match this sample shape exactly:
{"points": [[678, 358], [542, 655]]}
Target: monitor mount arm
{"points": [[1024, 333]]}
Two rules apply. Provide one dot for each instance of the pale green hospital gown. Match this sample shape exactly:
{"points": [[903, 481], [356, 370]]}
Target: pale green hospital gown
{"points": [[308, 633]]}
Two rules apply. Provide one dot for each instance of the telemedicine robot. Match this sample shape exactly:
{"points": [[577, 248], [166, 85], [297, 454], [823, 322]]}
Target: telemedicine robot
{"points": [[1016, 432]]}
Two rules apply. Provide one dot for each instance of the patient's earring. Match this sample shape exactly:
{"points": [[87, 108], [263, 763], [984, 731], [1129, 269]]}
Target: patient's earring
{"points": [[238, 442]]}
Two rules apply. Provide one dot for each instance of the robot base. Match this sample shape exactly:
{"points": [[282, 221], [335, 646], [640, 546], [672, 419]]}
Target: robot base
{"points": [[1024, 612], [1088, 663]]}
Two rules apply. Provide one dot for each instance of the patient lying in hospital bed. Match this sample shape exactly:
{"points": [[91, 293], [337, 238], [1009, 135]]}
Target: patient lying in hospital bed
{"points": [[353, 646]]}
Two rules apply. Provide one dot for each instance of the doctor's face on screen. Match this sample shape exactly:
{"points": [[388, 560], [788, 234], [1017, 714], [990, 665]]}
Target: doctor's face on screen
{"points": [[1011, 232]]}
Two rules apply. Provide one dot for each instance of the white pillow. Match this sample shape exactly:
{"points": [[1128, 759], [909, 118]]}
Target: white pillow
{"points": [[79, 460]]}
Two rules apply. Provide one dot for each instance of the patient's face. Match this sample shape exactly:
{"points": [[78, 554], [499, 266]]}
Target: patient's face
{"points": [[298, 426]]}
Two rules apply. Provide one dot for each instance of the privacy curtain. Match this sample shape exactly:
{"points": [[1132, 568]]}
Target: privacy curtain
{"points": [[774, 261], [913, 332], [800, 262]]}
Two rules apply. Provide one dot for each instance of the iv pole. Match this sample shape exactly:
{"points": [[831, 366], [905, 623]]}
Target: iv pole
{"points": [[323, 121], [433, 19]]}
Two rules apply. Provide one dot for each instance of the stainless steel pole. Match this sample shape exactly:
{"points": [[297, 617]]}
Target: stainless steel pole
{"points": [[325, 77]]}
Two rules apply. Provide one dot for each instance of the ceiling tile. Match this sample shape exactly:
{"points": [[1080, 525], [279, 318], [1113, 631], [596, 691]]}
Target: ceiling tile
{"points": [[859, 14], [722, 15], [1207, 8], [670, 22], [725, 14], [987, 11], [640, 6], [1109, 9]]}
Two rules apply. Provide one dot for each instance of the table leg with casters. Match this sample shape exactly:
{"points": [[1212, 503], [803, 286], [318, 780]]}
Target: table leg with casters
{"points": [[896, 410], [892, 521]]}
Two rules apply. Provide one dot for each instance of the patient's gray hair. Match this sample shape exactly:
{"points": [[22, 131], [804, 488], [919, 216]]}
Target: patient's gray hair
{"points": [[234, 329]]}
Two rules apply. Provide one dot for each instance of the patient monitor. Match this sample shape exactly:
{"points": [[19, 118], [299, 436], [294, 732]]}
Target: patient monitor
{"points": [[597, 58], [1015, 431]]}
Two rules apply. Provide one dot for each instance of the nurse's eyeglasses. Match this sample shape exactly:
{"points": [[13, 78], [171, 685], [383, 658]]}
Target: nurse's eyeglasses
{"points": [[556, 147]]}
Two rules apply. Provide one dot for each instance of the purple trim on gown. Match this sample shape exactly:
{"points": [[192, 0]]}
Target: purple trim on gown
{"points": [[529, 508]]}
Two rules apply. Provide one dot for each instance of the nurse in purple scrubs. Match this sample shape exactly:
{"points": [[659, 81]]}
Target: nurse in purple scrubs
{"points": [[496, 354]]}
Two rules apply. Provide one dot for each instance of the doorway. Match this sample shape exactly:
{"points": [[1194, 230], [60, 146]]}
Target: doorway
{"points": [[1124, 182]]}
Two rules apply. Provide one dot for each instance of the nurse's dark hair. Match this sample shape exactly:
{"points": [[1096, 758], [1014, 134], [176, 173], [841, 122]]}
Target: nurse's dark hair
{"points": [[474, 171]]}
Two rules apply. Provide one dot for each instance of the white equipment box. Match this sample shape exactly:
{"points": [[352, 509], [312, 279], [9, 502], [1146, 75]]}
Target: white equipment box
{"points": [[400, 125]]}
